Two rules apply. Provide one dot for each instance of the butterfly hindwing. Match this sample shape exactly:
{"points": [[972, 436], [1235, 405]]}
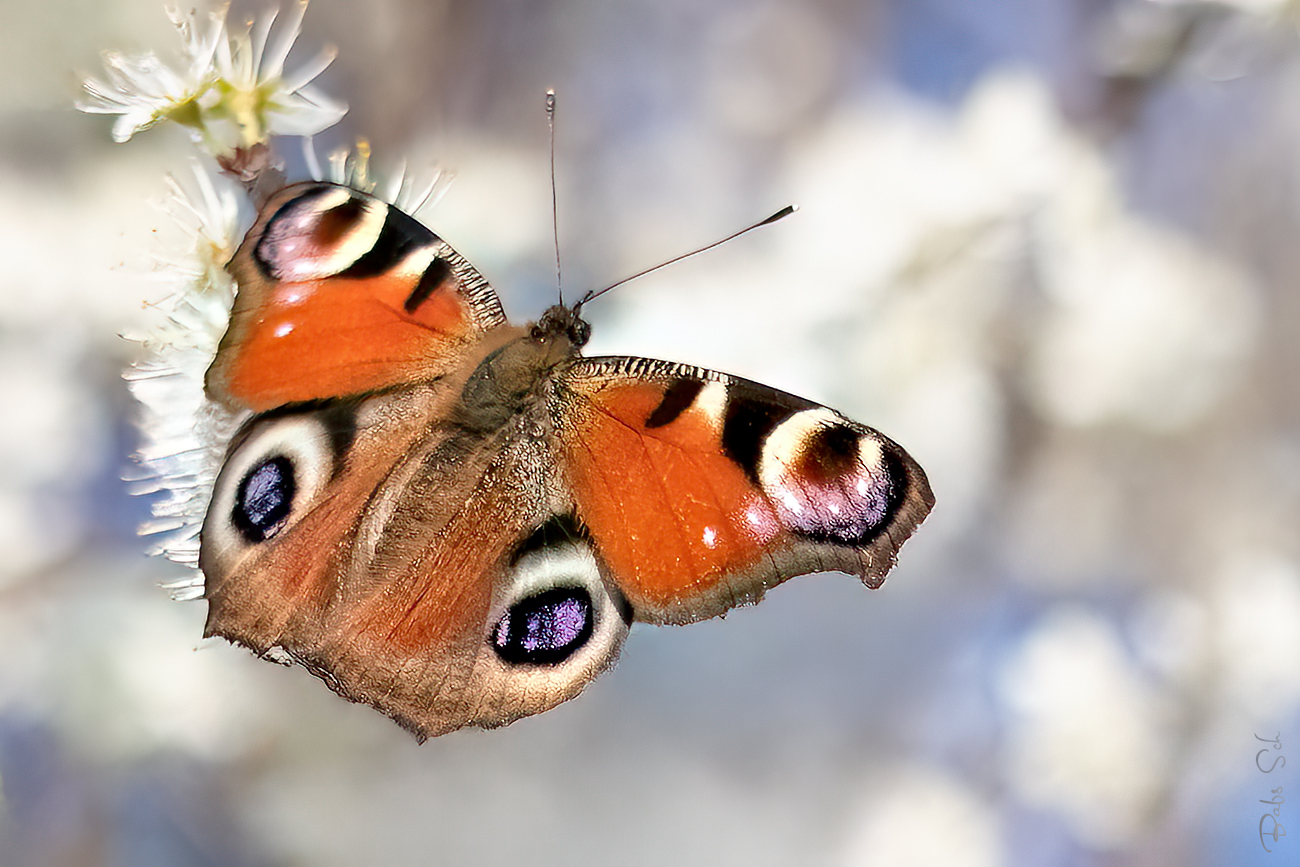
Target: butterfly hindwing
{"points": [[435, 574], [703, 490], [339, 294]]}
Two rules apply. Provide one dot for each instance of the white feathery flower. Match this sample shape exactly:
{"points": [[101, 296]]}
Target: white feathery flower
{"points": [[184, 433], [257, 95], [351, 168], [143, 90], [234, 92]]}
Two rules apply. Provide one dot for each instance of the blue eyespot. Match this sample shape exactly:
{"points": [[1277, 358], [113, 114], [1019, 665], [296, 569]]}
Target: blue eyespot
{"points": [[264, 499], [545, 629]]}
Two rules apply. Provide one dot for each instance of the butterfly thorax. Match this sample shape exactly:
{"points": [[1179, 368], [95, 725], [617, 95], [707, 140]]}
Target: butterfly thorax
{"points": [[517, 373]]}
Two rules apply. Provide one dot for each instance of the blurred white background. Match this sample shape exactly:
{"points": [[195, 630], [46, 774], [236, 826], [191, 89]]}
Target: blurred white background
{"points": [[1050, 246]]}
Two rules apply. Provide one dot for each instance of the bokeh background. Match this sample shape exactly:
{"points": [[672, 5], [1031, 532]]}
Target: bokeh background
{"points": [[1051, 246]]}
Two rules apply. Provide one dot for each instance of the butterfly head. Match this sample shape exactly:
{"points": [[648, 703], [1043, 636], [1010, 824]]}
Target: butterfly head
{"points": [[567, 322]]}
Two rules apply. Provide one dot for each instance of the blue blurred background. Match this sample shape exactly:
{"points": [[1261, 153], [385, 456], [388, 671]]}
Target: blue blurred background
{"points": [[1048, 245]]}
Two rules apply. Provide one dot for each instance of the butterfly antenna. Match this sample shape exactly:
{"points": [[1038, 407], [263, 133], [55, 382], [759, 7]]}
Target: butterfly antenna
{"points": [[781, 214], [555, 218]]}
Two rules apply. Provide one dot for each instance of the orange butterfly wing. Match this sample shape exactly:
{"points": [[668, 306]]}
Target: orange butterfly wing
{"points": [[340, 294], [407, 562], [701, 490]]}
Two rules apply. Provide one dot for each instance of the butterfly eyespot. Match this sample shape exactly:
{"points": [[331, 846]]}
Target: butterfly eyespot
{"points": [[545, 629], [558, 622], [828, 481], [319, 233], [270, 479], [264, 499]]}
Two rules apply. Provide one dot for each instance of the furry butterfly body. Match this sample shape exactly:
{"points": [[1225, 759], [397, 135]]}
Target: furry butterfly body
{"points": [[455, 519]]}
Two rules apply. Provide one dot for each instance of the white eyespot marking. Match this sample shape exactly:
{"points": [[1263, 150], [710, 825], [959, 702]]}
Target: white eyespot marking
{"points": [[871, 456], [321, 234], [827, 479], [330, 198], [549, 566], [415, 262], [555, 627], [265, 486], [788, 438], [761, 520], [712, 402]]}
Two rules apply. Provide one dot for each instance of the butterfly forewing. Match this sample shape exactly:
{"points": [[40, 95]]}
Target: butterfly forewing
{"points": [[339, 294], [702, 490]]}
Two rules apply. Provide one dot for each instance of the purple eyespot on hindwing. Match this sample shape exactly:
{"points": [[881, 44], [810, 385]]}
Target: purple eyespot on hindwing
{"points": [[545, 629]]}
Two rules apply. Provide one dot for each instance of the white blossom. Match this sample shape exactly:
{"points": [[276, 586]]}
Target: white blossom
{"points": [[233, 91], [184, 433]]}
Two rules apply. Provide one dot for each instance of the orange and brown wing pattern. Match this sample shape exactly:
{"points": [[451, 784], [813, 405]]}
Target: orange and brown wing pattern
{"points": [[411, 565], [340, 294], [702, 490]]}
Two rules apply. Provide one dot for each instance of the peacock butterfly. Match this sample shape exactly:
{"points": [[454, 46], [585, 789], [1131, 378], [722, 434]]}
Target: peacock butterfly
{"points": [[455, 519]]}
